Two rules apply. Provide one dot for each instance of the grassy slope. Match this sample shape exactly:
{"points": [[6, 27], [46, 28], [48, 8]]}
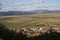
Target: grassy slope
{"points": [[30, 20]]}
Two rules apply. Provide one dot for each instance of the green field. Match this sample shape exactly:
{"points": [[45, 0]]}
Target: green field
{"points": [[30, 20]]}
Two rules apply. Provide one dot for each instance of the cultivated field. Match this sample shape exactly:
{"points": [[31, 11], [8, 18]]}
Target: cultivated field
{"points": [[31, 20]]}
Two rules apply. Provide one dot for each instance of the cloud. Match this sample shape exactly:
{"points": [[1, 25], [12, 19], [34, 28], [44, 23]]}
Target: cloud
{"points": [[30, 5]]}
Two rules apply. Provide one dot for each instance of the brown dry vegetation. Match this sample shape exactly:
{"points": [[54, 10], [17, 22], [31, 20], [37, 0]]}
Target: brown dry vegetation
{"points": [[30, 20], [7, 34]]}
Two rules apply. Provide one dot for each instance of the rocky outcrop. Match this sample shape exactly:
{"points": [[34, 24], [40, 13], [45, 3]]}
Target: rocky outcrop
{"points": [[32, 33]]}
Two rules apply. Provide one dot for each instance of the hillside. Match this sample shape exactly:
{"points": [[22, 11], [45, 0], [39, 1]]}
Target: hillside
{"points": [[28, 12]]}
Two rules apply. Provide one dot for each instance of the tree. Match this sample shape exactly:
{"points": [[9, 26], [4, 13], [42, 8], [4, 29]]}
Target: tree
{"points": [[2, 26]]}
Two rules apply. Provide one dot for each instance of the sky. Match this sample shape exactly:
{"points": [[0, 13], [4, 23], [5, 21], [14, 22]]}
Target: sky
{"points": [[28, 5]]}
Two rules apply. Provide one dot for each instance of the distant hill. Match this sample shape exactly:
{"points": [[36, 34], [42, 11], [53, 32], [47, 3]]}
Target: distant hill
{"points": [[27, 12], [13, 13], [45, 11]]}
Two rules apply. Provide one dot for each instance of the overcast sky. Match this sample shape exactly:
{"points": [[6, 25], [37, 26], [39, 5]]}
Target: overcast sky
{"points": [[27, 5]]}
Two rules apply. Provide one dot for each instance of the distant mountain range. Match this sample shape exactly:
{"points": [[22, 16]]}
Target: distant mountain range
{"points": [[27, 12]]}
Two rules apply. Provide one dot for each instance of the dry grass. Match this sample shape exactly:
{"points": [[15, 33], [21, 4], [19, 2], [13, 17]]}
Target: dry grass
{"points": [[30, 20]]}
